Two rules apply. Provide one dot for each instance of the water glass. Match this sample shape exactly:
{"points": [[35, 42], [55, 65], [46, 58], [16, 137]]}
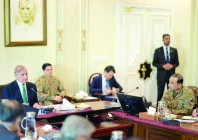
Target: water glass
{"points": [[162, 109], [117, 135], [30, 125]]}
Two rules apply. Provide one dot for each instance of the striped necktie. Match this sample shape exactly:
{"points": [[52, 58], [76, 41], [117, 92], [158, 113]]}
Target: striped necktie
{"points": [[167, 56], [107, 85]]}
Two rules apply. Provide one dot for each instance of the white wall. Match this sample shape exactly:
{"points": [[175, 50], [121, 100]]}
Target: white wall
{"points": [[102, 33], [101, 41], [32, 57]]}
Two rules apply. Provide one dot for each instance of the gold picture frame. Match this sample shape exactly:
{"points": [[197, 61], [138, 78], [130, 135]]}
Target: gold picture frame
{"points": [[25, 23]]}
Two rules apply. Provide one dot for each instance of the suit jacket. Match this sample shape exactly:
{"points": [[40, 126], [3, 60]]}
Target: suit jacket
{"points": [[159, 60], [12, 91], [96, 85], [5, 134]]}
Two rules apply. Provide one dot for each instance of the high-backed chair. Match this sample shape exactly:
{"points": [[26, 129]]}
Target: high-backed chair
{"points": [[99, 95], [195, 89], [1, 90]]}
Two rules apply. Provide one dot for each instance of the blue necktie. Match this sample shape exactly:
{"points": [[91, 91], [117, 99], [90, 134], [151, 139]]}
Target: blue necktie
{"points": [[107, 85], [167, 56]]}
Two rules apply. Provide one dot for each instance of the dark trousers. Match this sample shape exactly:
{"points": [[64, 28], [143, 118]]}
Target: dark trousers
{"points": [[161, 86]]}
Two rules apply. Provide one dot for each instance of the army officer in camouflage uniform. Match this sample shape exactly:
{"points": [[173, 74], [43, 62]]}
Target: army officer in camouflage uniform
{"points": [[179, 100], [49, 87]]}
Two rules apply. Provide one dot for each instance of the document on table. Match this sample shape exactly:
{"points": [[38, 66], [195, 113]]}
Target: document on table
{"points": [[90, 97], [185, 121], [187, 117], [61, 107]]}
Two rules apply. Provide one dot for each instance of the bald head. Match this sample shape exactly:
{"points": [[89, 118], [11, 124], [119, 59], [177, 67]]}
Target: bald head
{"points": [[21, 74]]}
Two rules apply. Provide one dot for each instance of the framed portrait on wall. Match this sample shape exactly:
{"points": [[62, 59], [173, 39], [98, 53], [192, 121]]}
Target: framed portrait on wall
{"points": [[25, 22]]}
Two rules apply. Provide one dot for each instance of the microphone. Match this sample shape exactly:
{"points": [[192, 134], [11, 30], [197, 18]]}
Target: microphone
{"points": [[132, 90], [34, 90], [44, 110], [38, 95]]}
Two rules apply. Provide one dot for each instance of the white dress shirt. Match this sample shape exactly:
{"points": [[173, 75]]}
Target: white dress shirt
{"points": [[104, 84]]}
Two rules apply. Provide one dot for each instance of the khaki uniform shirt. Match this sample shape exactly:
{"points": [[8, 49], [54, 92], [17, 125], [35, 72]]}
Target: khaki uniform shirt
{"points": [[183, 102], [48, 88]]}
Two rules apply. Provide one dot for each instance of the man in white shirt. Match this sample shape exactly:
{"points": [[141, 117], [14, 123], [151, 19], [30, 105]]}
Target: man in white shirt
{"points": [[20, 89], [105, 83]]}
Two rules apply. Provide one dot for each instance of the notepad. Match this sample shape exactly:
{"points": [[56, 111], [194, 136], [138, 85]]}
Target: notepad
{"points": [[195, 118], [190, 118], [61, 107], [187, 117]]}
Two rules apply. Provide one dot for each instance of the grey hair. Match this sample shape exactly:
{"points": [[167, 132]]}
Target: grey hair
{"points": [[75, 126], [18, 69]]}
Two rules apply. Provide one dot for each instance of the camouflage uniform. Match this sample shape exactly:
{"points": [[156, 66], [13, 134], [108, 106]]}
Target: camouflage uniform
{"points": [[48, 88], [182, 103]]}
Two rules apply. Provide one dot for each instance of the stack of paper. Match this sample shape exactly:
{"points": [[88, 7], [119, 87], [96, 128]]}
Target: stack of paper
{"points": [[195, 118], [187, 117], [190, 118], [82, 93], [61, 107]]}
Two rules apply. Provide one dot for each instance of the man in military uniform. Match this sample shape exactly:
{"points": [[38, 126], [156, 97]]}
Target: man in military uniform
{"points": [[179, 100], [49, 88]]}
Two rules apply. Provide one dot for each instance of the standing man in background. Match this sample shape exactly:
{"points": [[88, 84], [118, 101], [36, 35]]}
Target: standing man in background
{"points": [[49, 87], [165, 60]]}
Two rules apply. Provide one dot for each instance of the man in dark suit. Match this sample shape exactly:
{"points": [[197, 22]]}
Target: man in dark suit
{"points": [[10, 118], [105, 83], [20, 89], [166, 60]]}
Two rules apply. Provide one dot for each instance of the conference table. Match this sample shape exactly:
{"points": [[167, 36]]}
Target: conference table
{"points": [[156, 130], [130, 125], [96, 113]]}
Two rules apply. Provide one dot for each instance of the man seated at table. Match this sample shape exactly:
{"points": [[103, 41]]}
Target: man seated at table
{"points": [[179, 99], [20, 89], [11, 112], [49, 87], [105, 83], [76, 128]]}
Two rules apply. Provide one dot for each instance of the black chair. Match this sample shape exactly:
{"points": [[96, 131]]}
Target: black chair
{"points": [[1, 90], [195, 90], [99, 95]]}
